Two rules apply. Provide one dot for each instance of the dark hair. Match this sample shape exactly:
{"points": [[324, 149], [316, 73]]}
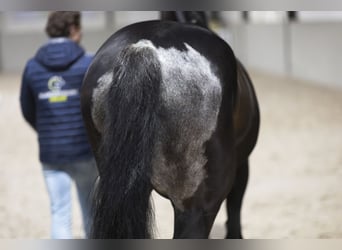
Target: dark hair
{"points": [[59, 23]]}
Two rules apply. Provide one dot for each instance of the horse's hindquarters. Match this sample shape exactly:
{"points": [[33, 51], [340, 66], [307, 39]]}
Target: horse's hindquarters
{"points": [[163, 112]]}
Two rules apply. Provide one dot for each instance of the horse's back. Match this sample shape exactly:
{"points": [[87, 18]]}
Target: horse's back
{"points": [[162, 34]]}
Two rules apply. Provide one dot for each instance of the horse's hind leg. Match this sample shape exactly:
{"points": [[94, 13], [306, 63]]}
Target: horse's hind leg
{"points": [[194, 223], [234, 202]]}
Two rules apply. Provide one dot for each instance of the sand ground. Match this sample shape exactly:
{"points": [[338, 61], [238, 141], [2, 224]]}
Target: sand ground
{"points": [[294, 189]]}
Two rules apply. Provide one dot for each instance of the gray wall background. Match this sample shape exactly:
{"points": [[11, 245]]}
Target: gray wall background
{"points": [[308, 51], [17, 47]]}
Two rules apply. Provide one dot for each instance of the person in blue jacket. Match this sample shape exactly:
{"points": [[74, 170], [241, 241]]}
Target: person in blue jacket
{"points": [[50, 103]]}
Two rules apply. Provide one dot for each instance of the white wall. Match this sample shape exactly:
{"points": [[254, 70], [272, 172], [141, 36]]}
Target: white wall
{"points": [[265, 47], [317, 52], [17, 48], [20, 43], [311, 51]]}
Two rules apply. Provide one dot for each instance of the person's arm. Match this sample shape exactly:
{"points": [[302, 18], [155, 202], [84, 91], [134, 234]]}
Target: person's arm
{"points": [[27, 101]]}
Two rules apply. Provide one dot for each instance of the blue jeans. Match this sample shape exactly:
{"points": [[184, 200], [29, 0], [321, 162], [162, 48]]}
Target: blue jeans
{"points": [[58, 179]]}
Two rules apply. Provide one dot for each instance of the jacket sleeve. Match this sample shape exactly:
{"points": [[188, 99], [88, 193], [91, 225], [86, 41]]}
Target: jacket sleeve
{"points": [[27, 100]]}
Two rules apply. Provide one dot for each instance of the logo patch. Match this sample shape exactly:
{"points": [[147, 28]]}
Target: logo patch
{"points": [[56, 83], [55, 93]]}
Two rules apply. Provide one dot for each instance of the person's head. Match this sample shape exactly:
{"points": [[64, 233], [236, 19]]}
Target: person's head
{"points": [[64, 24]]}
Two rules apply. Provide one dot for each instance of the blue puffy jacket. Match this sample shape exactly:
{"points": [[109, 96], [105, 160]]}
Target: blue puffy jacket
{"points": [[50, 100]]}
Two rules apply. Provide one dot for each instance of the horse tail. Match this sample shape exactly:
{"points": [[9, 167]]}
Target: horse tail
{"points": [[122, 207]]}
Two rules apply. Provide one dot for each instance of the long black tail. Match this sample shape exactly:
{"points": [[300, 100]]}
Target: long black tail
{"points": [[122, 206]]}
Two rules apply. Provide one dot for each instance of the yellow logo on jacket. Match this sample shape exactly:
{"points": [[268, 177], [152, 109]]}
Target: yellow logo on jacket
{"points": [[55, 84], [56, 94]]}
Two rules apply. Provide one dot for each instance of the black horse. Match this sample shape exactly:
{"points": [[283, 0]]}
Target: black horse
{"points": [[168, 107]]}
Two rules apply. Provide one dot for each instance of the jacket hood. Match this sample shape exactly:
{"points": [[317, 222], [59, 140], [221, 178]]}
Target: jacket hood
{"points": [[59, 53]]}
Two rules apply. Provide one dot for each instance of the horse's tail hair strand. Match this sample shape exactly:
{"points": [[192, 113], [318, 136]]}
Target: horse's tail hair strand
{"points": [[122, 206]]}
